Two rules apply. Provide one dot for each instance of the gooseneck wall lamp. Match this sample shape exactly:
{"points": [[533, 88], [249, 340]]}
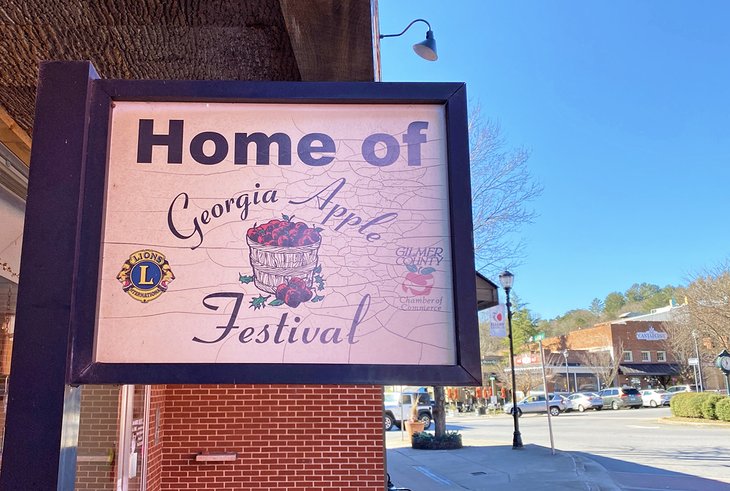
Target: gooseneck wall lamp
{"points": [[426, 49], [506, 279]]}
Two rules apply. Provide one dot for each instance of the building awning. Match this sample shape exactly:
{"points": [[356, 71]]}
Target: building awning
{"points": [[486, 293], [649, 369]]}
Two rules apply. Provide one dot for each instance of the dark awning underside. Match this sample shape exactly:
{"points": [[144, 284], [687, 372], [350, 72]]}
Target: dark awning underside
{"points": [[649, 369]]}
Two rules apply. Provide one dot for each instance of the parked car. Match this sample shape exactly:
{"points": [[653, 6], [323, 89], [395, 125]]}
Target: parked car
{"points": [[655, 397], [536, 404], [618, 397], [398, 408], [580, 401], [682, 388]]}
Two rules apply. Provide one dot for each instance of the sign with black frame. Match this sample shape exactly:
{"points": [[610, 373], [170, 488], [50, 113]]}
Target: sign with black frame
{"points": [[274, 232]]}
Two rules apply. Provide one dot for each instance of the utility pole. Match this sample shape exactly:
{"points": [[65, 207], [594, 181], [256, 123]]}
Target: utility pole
{"points": [[701, 384]]}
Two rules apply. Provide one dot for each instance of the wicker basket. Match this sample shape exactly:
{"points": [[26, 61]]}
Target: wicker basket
{"points": [[274, 265]]}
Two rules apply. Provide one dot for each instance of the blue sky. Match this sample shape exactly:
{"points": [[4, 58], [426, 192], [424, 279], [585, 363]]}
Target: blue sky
{"points": [[625, 107]]}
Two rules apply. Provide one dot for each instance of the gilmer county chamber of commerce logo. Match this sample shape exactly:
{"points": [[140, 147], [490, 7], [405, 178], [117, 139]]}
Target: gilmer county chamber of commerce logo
{"points": [[145, 275], [419, 280]]}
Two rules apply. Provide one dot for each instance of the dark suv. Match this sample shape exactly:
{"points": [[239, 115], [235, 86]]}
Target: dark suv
{"points": [[618, 397]]}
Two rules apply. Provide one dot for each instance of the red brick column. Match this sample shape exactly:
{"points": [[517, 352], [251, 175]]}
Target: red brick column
{"points": [[155, 438], [288, 438]]}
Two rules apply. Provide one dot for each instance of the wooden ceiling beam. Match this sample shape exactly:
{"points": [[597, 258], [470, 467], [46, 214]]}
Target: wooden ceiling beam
{"points": [[332, 40], [14, 137]]}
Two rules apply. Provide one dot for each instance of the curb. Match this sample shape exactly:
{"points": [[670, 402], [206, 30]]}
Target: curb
{"points": [[593, 475], [672, 420]]}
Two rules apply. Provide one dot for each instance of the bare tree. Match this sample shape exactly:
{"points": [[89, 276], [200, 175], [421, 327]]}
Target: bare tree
{"points": [[605, 364], [527, 378], [708, 305], [488, 344], [502, 188], [703, 319], [679, 342]]}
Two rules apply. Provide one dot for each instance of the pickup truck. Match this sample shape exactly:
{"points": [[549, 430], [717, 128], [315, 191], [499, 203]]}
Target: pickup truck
{"points": [[398, 407]]}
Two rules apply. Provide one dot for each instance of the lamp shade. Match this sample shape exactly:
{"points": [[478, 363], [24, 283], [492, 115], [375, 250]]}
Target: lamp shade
{"points": [[506, 279], [426, 49]]}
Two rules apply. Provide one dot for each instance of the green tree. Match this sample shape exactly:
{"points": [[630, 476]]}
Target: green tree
{"points": [[524, 324], [570, 321], [596, 307], [613, 303], [638, 292], [661, 298]]}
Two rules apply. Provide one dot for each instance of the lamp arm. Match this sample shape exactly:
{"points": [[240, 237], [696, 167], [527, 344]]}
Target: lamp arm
{"points": [[404, 30]]}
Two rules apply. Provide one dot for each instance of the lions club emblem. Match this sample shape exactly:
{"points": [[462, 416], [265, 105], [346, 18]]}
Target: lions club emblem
{"points": [[145, 275]]}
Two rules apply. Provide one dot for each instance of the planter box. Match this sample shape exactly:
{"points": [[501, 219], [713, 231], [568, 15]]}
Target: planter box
{"points": [[414, 427]]}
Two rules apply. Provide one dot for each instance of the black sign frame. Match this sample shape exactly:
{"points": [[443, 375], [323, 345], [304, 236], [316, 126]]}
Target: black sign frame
{"points": [[88, 235]]}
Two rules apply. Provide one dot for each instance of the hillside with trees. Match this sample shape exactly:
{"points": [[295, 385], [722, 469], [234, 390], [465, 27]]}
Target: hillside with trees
{"points": [[640, 298]]}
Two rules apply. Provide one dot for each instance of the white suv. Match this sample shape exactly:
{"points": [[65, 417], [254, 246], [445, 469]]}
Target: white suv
{"points": [[398, 408]]}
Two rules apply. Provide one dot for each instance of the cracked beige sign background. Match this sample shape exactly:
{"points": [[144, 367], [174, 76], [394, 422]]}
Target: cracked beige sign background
{"points": [[379, 262]]}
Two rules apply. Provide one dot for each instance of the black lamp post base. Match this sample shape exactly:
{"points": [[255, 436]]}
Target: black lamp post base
{"points": [[517, 441]]}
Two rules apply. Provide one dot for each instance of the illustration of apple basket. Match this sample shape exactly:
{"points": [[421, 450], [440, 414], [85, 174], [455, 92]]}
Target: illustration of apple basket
{"points": [[284, 257]]}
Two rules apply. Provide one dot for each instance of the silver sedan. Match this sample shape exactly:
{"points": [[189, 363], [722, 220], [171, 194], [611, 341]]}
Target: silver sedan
{"points": [[580, 401]]}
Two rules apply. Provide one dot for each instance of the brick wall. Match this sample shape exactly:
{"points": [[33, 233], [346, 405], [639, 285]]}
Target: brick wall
{"points": [[98, 434], [626, 332], [293, 438], [592, 338], [621, 336]]}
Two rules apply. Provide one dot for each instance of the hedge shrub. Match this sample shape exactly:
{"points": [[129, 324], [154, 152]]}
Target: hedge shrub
{"points": [[685, 405], [708, 406], [700, 405], [426, 441], [722, 409]]}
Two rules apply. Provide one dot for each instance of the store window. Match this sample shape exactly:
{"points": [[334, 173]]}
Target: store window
{"points": [[113, 421], [661, 356], [646, 356], [628, 356], [13, 190]]}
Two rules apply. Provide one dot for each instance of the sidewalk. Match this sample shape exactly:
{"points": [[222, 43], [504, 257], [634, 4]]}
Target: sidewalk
{"points": [[485, 465]]}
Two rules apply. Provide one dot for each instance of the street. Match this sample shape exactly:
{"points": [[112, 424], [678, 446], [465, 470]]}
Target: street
{"points": [[633, 445]]}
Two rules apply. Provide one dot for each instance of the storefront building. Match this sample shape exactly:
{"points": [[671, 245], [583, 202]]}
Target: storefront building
{"points": [[633, 351]]}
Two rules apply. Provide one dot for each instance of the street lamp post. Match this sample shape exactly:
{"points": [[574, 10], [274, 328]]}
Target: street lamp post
{"points": [[701, 385], [567, 372], [506, 279]]}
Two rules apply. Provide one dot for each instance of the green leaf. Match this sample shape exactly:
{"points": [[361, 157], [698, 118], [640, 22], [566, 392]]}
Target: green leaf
{"points": [[259, 302], [427, 270], [245, 278], [412, 268], [320, 282], [287, 217], [276, 303], [317, 298], [318, 229], [318, 269]]}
